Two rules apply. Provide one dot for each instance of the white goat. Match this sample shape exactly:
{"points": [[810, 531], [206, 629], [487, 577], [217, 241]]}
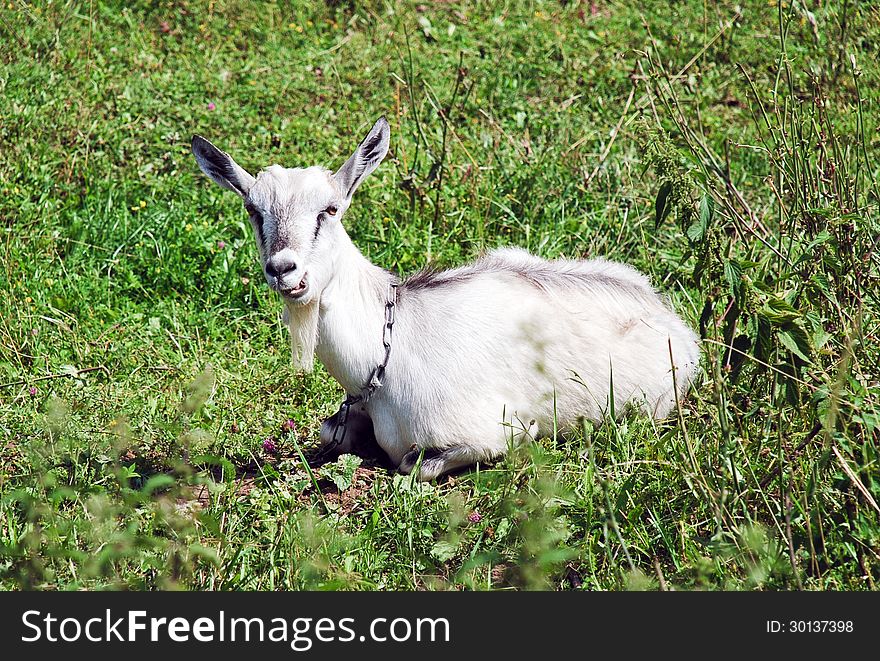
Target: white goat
{"points": [[482, 355]]}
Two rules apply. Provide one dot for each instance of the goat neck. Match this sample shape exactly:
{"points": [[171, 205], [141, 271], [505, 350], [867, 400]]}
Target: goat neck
{"points": [[351, 317]]}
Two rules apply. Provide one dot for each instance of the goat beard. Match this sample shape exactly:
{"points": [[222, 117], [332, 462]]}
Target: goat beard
{"points": [[302, 322]]}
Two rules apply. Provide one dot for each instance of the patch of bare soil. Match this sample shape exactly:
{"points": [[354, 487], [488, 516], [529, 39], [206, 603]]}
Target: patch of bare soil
{"points": [[345, 502], [342, 502], [199, 495]]}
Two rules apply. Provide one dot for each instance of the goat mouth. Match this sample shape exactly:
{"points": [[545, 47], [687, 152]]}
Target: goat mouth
{"points": [[298, 291]]}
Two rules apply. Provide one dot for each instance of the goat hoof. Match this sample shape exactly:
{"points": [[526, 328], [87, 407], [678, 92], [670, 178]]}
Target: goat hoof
{"points": [[411, 458], [409, 461]]}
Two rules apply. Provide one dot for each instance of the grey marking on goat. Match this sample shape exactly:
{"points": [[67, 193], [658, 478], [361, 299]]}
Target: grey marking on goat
{"points": [[542, 277], [281, 238], [258, 221], [431, 279]]}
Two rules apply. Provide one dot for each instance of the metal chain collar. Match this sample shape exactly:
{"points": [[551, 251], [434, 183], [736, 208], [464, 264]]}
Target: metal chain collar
{"points": [[374, 381]]}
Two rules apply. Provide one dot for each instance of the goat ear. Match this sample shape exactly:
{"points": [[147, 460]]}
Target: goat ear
{"points": [[366, 157], [220, 167]]}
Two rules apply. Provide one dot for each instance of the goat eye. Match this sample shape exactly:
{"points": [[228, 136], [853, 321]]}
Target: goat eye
{"points": [[331, 210]]}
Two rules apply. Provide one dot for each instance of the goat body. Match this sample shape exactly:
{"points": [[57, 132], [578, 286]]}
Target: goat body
{"points": [[508, 348], [512, 346]]}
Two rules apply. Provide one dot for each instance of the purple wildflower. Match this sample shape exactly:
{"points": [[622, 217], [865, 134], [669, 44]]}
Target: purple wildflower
{"points": [[269, 445], [221, 245], [211, 105], [33, 391], [288, 425], [475, 517]]}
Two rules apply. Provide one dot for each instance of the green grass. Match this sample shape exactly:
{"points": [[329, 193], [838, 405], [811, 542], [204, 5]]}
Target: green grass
{"points": [[731, 156]]}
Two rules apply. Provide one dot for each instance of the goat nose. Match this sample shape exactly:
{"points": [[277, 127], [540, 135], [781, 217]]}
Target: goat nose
{"points": [[278, 267]]}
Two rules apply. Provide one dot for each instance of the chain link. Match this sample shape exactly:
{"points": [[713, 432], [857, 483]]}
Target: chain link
{"points": [[374, 382]]}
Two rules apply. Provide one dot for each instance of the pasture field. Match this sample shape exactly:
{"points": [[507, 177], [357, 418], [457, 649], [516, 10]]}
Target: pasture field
{"points": [[152, 429]]}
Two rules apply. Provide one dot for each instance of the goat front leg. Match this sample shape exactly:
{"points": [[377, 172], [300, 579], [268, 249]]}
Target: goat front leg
{"points": [[359, 439], [359, 435], [437, 462]]}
